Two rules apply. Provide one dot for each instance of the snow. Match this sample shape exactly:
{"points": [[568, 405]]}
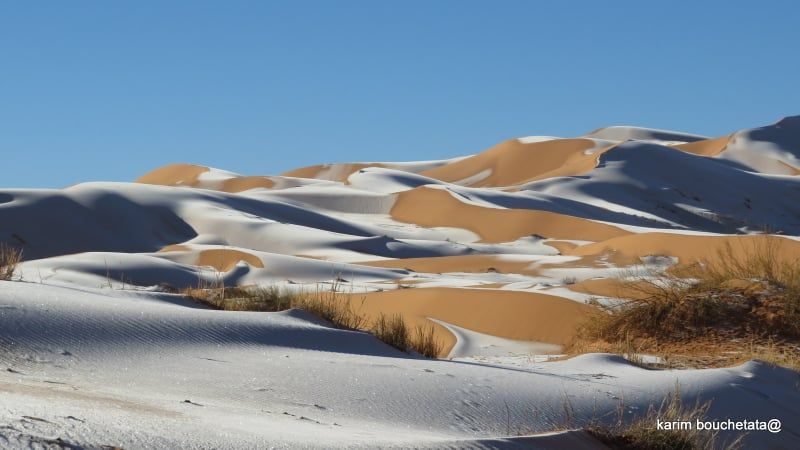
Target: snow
{"points": [[138, 369]]}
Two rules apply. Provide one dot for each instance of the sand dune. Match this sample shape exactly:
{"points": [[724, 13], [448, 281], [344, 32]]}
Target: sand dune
{"points": [[514, 162], [102, 367], [499, 251], [438, 208], [220, 259], [688, 248], [224, 260], [461, 263], [331, 172], [626, 133], [706, 147], [341, 171], [508, 314], [240, 184], [174, 175]]}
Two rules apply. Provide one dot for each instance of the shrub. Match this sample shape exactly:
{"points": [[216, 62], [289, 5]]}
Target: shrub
{"points": [[391, 330], [569, 280], [643, 434], [749, 295], [10, 257], [425, 343], [740, 294], [328, 304]]}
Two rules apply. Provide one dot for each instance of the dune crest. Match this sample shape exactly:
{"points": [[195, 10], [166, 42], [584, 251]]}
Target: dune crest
{"points": [[174, 175], [514, 162]]}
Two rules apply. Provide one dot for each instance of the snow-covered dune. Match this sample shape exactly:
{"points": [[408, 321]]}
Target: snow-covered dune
{"points": [[499, 251], [105, 367]]}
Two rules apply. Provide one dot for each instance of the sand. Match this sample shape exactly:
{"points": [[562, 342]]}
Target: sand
{"points": [[331, 172], [225, 260], [689, 249], [240, 184], [513, 162], [221, 259], [508, 314], [706, 147], [465, 263], [174, 175], [438, 208]]}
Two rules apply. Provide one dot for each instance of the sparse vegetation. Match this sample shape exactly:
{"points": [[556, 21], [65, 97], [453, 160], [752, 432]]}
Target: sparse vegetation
{"points": [[327, 304], [425, 343], [569, 280], [642, 433], [391, 330], [741, 305], [322, 303], [394, 331], [255, 298], [10, 257]]}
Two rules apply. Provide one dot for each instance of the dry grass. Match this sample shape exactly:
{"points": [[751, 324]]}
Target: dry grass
{"points": [[251, 298], [642, 433], [391, 330], [328, 304], [750, 299], [394, 331], [324, 303], [10, 257], [425, 343]]}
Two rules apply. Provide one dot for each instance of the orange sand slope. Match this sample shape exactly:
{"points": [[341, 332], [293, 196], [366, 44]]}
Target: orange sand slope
{"points": [[222, 260], [513, 162], [465, 263], [189, 175], [508, 314], [707, 147], [689, 249], [174, 175], [429, 207]]}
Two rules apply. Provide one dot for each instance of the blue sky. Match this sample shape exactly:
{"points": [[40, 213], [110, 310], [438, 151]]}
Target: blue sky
{"points": [[109, 90]]}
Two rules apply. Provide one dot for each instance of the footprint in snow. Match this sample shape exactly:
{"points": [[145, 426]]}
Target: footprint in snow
{"points": [[212, 359], [36, 419]]}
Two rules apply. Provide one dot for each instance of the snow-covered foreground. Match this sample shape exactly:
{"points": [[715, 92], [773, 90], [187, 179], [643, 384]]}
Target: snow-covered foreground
{"points": [[500, 252], [133, 369]]}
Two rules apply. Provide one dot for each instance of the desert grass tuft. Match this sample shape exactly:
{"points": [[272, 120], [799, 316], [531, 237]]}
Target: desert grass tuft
{"points": [[10, 257], [425, 343], [392, 330], [642, 433], [332, 306], [751, 295], [326, 303]]}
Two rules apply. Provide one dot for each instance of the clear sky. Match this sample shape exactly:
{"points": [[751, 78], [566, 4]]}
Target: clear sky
{"points": [[109, 90]]}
